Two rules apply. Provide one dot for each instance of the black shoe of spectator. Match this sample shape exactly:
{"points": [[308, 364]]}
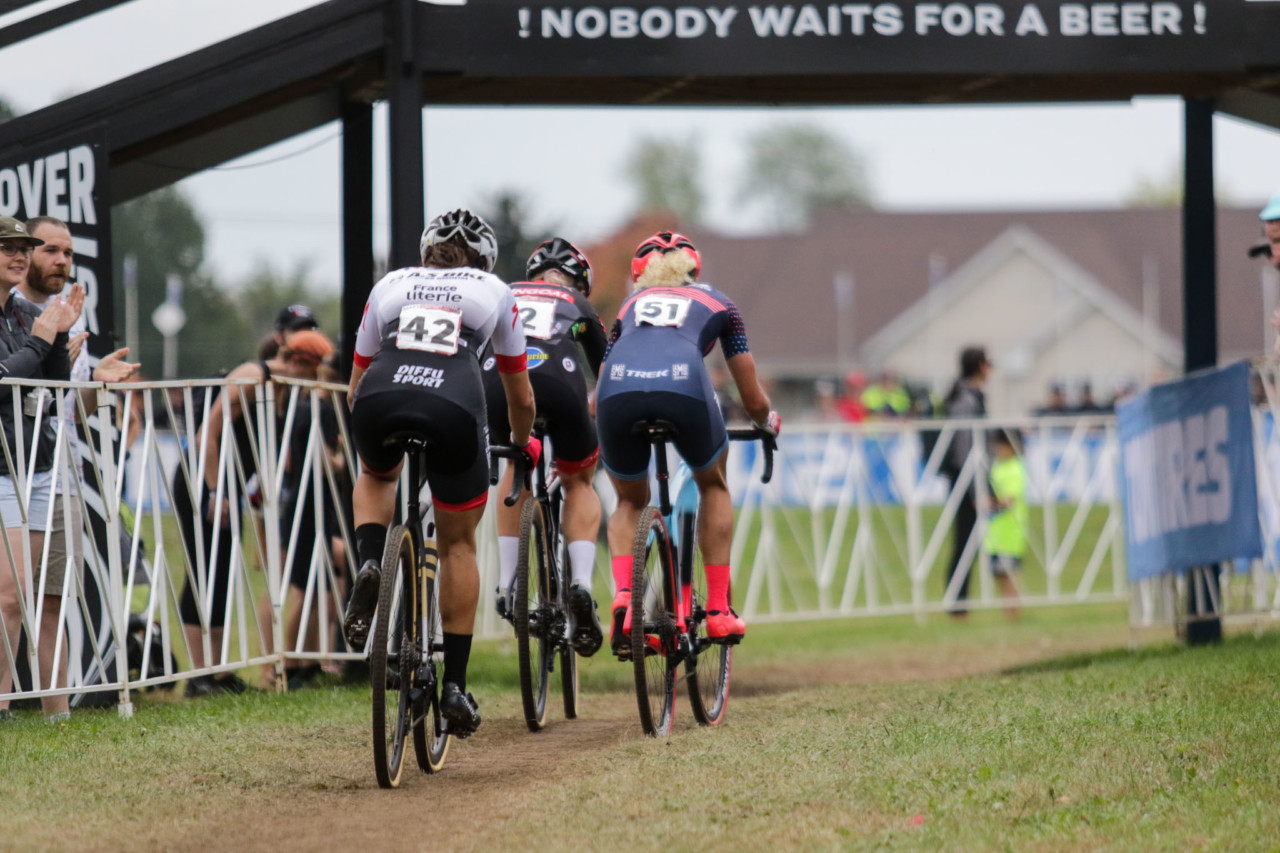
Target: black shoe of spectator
{"points": [[200, 686], [460, 710], [360, 609], [230, 683], [302, 676]]}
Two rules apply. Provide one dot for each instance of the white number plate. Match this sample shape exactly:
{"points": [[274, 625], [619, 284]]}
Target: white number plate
{"points": [[658, 310], [537, 315], [429, 328]]}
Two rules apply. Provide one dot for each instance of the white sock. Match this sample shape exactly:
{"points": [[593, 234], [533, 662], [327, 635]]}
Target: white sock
{"points": [[582, 561], [508, 553]]}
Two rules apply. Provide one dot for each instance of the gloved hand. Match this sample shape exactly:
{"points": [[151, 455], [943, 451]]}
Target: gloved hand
{"points": [[533, 451], [772, 424]]}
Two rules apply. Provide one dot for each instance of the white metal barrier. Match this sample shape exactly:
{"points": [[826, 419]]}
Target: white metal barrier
{"points": [[856, 522]]}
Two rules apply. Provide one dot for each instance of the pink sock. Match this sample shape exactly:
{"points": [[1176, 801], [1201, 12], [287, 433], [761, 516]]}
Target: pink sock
{"points": [[622, 573], [718, 588]]}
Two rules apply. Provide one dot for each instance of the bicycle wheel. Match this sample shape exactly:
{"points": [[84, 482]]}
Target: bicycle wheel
{"points": [[654, 634], [532, 613], [568, 657], [430, 744], [707, 669], [392, 648]]}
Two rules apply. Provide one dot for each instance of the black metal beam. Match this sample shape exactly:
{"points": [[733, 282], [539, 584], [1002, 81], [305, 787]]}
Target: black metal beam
{"points": [[405, 143], [54, 18], [357, 221]]}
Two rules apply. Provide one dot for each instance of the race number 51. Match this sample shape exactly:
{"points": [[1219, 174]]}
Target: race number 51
{"points": [[429, 328], [655, 309]]}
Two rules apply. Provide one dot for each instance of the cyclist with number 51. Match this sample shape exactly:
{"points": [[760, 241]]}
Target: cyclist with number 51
{"points": [[557, 319], [417, 371], [653, 370]]}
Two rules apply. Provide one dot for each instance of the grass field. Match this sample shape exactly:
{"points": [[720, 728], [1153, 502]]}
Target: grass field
{"points": [[896, 734]]}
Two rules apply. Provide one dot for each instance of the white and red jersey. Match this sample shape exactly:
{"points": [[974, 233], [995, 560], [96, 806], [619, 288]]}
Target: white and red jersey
{"points": [[444, 313]]}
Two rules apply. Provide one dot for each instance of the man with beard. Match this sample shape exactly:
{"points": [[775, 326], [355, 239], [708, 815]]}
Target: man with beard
{"points": [[47, 276]]}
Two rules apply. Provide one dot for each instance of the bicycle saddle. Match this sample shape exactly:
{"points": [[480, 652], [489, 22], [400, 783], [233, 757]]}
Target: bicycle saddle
{"points": [[406, 440], [655, 429]]}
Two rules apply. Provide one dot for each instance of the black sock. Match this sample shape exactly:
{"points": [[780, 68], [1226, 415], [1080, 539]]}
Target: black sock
{"points": [[371, 539], [457, 649]]}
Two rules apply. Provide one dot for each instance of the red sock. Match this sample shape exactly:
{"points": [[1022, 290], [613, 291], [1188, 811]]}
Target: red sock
{"points": [[622, 573], [718, 588]]}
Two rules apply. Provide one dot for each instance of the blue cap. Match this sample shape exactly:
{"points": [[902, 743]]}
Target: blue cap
{"points": [[1272, 210]]}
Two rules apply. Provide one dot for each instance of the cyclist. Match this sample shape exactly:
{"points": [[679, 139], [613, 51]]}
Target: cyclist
{"points": [[417, 370], [654, 369], [557, 318]]}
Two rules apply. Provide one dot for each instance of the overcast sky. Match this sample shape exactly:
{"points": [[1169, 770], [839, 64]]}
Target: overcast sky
{"points": [[281, 204]]}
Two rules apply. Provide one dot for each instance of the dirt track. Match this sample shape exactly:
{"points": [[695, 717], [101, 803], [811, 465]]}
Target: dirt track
{"points": [[330, 800]]}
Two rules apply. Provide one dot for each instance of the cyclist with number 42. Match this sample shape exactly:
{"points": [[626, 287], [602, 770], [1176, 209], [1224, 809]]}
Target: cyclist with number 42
{"points": [[417, 371], [557, 318], [654, 370]]}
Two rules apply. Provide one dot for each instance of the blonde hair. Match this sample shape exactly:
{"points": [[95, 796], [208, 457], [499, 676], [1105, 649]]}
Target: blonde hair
{"points": [[670, 270]]}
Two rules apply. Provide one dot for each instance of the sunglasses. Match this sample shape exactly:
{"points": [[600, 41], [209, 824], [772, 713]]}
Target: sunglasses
{"points": [[14, 249]]}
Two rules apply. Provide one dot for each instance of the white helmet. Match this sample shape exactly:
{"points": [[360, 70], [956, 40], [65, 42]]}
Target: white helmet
{"points": [[474, 230]]}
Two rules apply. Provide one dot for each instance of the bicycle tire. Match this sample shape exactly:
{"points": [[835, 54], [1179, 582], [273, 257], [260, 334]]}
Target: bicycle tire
{"points": [[708, 668], [568, 657], [432, 747], [391, 713], [652, 615], [531, 613]]}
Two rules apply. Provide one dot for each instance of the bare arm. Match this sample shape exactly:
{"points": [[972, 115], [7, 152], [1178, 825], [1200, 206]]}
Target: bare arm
{"points": [[230, 397], [520, 405], [742, 368]]}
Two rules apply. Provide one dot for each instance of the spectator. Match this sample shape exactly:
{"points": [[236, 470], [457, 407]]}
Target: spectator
{"points": [[826, 408], [1056, 404], [33, 345], [965, 400], [299, 358], [1087, 405], [47, 275], [1006, 539], [292, 318], [1270, 248], [850, 406], [887, 398]]}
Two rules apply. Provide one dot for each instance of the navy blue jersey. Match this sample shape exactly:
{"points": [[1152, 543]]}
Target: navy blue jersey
{"points": [[661, 336]]}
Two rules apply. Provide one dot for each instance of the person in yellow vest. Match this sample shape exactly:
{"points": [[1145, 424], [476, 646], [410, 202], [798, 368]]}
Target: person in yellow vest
{"points": [[888, 397], [1006, 539]]}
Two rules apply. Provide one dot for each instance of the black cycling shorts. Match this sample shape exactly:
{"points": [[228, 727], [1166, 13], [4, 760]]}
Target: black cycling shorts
{"points": [[562, 406], [701, 440], [457, 459]]}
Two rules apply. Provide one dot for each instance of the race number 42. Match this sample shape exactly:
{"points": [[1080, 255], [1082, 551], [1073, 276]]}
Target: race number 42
{"points": [[429, 328]]}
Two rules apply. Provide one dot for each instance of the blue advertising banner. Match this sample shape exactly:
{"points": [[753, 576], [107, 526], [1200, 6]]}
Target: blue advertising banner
{"points": [[1189, 485]]}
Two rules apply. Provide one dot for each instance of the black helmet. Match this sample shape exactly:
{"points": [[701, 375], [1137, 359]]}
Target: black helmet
{"points": [[475, 232], [559, 253]]}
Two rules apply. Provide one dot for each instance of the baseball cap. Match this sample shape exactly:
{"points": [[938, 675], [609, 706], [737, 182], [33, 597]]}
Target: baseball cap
{"points": [[296, 317], [1272, 210], [14, 229]]}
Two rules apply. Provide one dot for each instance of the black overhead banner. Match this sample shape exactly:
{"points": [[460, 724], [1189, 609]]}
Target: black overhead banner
{"points": [[67, 179], [512, 38]]}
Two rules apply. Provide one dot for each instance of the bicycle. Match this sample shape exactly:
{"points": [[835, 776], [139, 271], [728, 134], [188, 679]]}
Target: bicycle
{"points": [[666, 629], [406, 657], [539, 611]]}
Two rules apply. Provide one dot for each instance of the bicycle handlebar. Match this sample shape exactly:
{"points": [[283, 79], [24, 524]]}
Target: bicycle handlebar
{"points": [[522, 478], [767, 440]]}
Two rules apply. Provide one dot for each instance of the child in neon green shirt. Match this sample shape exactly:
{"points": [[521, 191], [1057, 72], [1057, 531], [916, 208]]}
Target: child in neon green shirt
{"points": [[1006, 539]]}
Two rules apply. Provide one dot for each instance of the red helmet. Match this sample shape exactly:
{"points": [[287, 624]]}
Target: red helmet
{"points": [[663, 242]]}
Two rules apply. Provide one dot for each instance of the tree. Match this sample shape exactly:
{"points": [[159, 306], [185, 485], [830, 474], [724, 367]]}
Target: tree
{"points": [[267, 290], [666, 176], [507, 213], [6, 111], [796, 170], [1165, 192], [164, 232]]}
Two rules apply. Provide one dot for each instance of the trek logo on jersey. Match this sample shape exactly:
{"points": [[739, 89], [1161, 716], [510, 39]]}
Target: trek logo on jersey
{"points": [[647, 374], [414, 374], [617, 371], [536, 358], [680, 371]]}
